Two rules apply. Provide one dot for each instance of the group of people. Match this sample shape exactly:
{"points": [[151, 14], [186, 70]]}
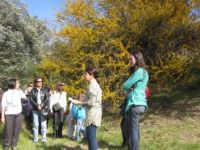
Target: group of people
{"points": [[43, 102], [85, 114]]}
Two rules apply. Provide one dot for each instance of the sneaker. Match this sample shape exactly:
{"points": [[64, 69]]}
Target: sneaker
{"points": [[35, 141], [5, 148], [14, 148]]}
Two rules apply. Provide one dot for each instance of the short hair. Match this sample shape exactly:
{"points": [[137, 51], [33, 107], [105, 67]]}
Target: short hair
{"points": [[12, 83], [36, 79]]}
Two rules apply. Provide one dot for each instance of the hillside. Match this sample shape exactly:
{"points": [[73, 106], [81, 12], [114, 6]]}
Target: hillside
{"points": [[170, 123]]}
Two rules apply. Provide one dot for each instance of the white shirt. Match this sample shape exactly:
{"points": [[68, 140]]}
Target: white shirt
{"points": [[58, 97], [38, 97], [11, 101]]}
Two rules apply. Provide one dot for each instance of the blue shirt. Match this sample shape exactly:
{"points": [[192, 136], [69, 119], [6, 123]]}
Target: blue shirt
{"points": [[78, 112]]}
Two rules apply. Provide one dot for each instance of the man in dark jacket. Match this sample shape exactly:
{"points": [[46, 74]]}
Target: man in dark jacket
{"points": [[39, 100]]}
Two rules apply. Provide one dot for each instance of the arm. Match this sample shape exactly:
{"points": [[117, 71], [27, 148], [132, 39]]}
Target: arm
{"points": [[3, 108], [77, 102], [64, 100], [134, 78], [51, 102], [33, 103], [3, 115], [23, 95], [46, 99]]}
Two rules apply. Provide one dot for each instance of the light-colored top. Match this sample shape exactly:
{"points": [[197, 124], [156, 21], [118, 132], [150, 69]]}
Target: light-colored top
{"points": [[58, 97], [137, 96], [38, 97], [11, 101], [94, 106]]}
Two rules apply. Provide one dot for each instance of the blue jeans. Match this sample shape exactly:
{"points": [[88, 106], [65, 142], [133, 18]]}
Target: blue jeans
{"points": [[91, 137], [133, 126], [37, 118], [80, 129]]}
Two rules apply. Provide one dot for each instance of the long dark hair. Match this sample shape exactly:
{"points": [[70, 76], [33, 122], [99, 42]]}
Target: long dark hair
{"points": [[93, 72], [140, 63]]}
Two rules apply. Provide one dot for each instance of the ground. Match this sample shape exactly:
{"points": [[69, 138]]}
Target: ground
{"points": [[171, 122]]}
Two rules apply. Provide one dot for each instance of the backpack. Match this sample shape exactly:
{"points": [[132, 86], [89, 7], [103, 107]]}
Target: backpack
{"points": [[147, 92]]}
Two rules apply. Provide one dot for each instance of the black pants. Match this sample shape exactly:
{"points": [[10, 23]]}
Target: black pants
{"points": [[58, 118], [12, 130], [124, 129]]}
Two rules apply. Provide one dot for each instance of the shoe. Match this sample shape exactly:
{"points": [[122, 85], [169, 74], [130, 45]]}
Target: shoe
{"points": [[35, 141], [14, 148], [124, 144], [6, 148], [43, 141]]}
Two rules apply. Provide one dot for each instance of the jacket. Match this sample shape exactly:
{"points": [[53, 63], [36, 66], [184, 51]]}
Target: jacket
{"points": [[44, 96], [137, 96]]}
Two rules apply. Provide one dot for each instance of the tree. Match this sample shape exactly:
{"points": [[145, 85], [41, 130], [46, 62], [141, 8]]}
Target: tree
{"points": [[100, 33], [22, 39]]}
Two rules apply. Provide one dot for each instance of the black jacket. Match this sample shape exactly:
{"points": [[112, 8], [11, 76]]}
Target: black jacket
{"points": [[44, 96]]}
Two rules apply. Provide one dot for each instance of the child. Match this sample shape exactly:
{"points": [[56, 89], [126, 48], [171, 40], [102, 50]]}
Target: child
{"points": [[70, 123], [78, 112]]}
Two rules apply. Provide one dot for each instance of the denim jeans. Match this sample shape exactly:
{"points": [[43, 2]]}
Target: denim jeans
{"points": [[70, 126], [133, 126], [37, 119], [80, 129], [91, 137], [124, 130]]}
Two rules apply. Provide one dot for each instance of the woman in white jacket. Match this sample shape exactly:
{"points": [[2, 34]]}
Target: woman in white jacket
{"points": [[11, 114], [58, 103]]}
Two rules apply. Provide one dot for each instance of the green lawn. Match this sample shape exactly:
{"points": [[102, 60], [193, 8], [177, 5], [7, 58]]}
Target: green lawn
{"points": [[171, 123]]}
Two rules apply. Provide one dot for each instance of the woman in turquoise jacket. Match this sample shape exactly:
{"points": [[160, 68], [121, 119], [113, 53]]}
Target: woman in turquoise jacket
{"points": [[136, 99]]}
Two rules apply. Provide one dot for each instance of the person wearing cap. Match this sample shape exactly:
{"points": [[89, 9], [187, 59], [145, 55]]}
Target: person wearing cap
{"points": [[39, 99], [58, 103]]}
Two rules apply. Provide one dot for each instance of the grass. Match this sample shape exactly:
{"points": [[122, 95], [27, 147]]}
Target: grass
{"points": [[172, 122]]}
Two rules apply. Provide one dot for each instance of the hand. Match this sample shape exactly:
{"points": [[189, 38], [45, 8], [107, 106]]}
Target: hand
{"points": [[3, 120], [39, 108], [70, 99]]}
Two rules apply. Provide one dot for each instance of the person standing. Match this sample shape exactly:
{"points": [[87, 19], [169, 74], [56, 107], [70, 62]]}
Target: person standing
{"points": [[93, 104], [58, 104], [79, 114], [71, 123], [136, 98], [39, 99], [11, 114]]}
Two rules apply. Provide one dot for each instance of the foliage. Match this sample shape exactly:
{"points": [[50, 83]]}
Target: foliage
{"points": [[100, 33], [22, 39]]}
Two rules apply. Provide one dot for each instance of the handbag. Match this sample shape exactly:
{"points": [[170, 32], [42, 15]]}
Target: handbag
{"points": [[45, 113], [56, 106]]}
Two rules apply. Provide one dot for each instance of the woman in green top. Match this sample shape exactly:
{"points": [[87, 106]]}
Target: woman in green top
{"points": [[136, 99]]}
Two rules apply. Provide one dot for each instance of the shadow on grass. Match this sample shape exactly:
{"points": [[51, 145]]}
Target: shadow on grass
{"points": [[58, 147], [175, 104], [105, 145]]}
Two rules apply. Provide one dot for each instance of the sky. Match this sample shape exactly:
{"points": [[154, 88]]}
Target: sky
{"points": [[44, 9]]}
